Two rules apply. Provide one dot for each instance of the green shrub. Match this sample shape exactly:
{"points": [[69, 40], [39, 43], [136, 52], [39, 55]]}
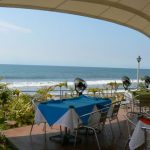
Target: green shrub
{"points": [[20, 109], [5, 144]]}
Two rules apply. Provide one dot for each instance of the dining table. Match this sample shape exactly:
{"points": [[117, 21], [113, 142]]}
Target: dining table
{"points": [[59, 112], [67, 112], [138, 136]]}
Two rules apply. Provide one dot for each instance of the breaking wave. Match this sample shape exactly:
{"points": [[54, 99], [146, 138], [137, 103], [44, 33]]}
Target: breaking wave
{"points": [[21, 84]]}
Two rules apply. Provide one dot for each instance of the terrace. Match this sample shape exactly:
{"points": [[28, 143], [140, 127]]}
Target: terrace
{"points": [[133, 14], [21, 139]]}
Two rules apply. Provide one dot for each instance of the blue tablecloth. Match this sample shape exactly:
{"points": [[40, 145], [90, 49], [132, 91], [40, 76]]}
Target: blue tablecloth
{"points": [[52, 110]]}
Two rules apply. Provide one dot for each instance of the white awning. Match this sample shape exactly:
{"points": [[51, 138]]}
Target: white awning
{"points": [[131, 13]]}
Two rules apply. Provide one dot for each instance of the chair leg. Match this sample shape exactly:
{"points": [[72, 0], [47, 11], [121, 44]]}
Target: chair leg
{"points": [[126, 144], [111, 127], [118, 124], [126, 105], [76, 134], [96, 139], [104, 130], [60, 130], [45, 130], [145, 143]]}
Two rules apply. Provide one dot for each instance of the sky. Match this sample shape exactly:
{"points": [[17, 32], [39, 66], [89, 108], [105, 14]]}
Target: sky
{"points": [[36, 37]]}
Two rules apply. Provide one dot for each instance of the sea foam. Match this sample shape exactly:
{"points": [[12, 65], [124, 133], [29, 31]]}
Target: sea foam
{"points": [[21, 84]]}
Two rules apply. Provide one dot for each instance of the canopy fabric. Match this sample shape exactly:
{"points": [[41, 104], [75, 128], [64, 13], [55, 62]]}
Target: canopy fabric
{"points": [[131, 13]]}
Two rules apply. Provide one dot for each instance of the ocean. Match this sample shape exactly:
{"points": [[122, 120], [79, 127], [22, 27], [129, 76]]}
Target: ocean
{"points": [[30, 77]]}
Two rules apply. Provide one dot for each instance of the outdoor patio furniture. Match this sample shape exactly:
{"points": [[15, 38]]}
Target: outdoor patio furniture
{"points": [[103, 118], [147, 137], [131, 120], [67, 111], [101, 125], [138, 130], [113, 114], [141, 134], [95, 118]]}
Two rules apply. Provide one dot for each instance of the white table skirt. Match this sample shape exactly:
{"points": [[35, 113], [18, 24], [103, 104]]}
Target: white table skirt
{"points": [[138, 138], [38, 118], [70, 119]]}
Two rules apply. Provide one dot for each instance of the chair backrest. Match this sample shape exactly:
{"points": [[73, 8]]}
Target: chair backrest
{"points": [[147, 137], [131, 120], [92, 118], [114, 109], [104, 113], [147, 114], [95, 118]]}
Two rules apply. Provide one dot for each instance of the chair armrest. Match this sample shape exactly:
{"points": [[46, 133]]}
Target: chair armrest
{"points": [[129, 120], [145, 128]]}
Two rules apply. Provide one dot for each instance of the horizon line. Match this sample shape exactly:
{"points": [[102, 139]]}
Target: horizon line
{"points": [[71, 66]]}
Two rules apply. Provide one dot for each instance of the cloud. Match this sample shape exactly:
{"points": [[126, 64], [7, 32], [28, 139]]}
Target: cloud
{"points": [[7, 26]]}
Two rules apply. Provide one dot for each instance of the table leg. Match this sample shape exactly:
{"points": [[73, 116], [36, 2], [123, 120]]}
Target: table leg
{"points": [[65, 138]]}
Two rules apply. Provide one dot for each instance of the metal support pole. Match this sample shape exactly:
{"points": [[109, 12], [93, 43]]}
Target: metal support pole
{"points": [[138, 70], [138, 75]]}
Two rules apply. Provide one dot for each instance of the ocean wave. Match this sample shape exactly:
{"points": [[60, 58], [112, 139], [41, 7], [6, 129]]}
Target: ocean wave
{"points": [[21, 84]]}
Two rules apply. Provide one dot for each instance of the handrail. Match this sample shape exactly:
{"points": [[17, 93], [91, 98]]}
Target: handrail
{"points": [[129, 120], [93, 112], [57, 90]]}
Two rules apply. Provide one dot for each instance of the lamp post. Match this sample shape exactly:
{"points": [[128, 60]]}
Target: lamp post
{"points": [[138, 68]]}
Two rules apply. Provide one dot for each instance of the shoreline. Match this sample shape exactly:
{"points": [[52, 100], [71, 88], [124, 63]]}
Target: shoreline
{"points": [[40, 83], [30, 87]]}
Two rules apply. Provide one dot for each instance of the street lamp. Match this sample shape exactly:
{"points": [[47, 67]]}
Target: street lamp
{"points": [[138, 68]]}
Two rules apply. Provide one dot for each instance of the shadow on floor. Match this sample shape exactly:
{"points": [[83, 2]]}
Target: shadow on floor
{"points": [[106, 139]]}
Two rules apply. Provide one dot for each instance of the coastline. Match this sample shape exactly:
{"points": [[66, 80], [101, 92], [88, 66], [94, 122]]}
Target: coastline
{"points": [[30, 87], [38, 84], [31, 78]]}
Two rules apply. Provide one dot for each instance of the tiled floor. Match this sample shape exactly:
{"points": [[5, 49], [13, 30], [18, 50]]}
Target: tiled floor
{"points": [[21, 139]]}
